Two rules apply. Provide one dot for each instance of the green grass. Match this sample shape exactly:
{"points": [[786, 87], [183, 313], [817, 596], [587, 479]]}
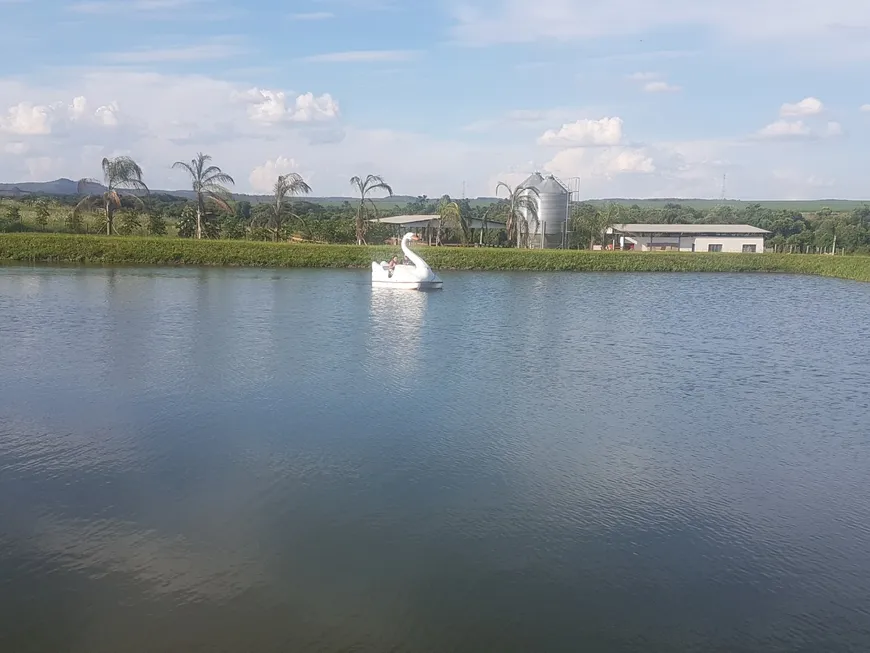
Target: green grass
{"points": [[102, 250]]}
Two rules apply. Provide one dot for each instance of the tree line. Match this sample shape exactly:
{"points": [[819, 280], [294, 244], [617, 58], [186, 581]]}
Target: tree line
{"points": [[127, 206]]}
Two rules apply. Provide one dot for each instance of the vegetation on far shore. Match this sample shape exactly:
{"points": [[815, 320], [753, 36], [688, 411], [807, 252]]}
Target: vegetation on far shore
{"points": [[123, 205], [105, 250]]}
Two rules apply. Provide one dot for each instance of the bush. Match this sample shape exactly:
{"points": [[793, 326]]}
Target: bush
{"points": [[41, 247], [42, 213], [156, 224], [127, 223], [74, 222]]}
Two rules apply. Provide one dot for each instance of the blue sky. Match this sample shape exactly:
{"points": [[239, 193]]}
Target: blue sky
{"points": [[635, 98]]}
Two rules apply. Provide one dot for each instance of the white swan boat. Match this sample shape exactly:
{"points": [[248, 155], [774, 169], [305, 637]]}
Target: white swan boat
{"points": [[417, 276]]}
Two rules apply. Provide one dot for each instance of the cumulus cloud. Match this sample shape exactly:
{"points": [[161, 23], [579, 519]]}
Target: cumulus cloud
{"points": [[269, 107], [809, 106], [263, 177], [585, 132], [237, 127], [576, 162], [798, 129], [28, 119], [785, 129]]}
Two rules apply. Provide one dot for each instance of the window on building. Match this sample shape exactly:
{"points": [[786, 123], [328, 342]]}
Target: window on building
{"points": [[749, 249], [714, 248]]}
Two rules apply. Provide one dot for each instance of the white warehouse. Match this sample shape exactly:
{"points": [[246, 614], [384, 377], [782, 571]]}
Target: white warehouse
{"points": [[688, 237]]}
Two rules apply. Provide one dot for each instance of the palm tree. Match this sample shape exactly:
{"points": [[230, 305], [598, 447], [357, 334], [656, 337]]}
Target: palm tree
{"points": [[366, 186], [522, 207], [279, 210], [208, 185], [119, 173], [451, 217]]}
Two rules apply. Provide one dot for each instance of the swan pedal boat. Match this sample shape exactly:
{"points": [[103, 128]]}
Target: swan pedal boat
{"points": [[418, 276]]}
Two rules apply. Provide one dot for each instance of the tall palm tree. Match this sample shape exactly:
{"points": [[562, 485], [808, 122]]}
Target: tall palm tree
{"points": [[366, 186], [522, 208], [119, 173], [279, 210], [450, 217], [208, 185]]}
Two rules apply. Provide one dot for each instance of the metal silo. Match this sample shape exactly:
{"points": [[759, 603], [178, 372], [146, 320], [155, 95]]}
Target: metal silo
{"points": [[553, 203], [534, 180]]}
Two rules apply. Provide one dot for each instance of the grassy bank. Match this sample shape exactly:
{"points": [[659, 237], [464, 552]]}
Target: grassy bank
{"points": [[58, 248]]}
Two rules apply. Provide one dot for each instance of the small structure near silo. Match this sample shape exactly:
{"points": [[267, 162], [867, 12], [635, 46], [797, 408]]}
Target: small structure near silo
{"points": [[553, 202], [733, 238]]}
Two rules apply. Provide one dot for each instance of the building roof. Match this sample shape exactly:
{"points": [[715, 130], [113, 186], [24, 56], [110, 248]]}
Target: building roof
{"points": [[426, 220], [723, 229], [407, 220]]}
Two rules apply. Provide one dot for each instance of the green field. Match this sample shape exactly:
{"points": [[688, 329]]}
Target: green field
{"points": [[62, 248], [800, 206]]}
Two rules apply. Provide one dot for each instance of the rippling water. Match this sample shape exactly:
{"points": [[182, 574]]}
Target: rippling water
{"points": [[235, 460]]}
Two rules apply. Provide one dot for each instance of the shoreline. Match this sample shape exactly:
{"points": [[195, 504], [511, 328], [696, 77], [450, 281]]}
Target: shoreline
{"points": [[134, 250]]}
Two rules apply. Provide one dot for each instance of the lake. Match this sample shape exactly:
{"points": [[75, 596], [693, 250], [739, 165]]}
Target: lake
{"points": [[210, 460]]}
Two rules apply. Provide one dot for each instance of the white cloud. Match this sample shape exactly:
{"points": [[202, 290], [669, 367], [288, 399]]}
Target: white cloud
{"points": [[785, 129], [71, 141], [834, 129], [585, 132], [865, 107], [263, 177], [798, 129], [26, 119], [360, 56], [661, 87], [809, 106], [107, 115], [606, 163], [29, 119], [652, 82], [269, 107]]}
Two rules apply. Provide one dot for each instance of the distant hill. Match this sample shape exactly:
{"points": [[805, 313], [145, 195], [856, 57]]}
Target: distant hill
{"points": [[65, 186]]}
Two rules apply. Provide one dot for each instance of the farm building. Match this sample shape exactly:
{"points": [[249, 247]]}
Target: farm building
{"points": [[688, 237]]}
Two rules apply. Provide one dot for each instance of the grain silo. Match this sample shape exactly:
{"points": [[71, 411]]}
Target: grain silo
{"points": [[552, 201], [534, 180]]}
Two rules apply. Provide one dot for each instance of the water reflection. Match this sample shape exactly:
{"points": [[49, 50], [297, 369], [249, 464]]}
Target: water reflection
{"points": [[397, 319], [223, 460]]}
